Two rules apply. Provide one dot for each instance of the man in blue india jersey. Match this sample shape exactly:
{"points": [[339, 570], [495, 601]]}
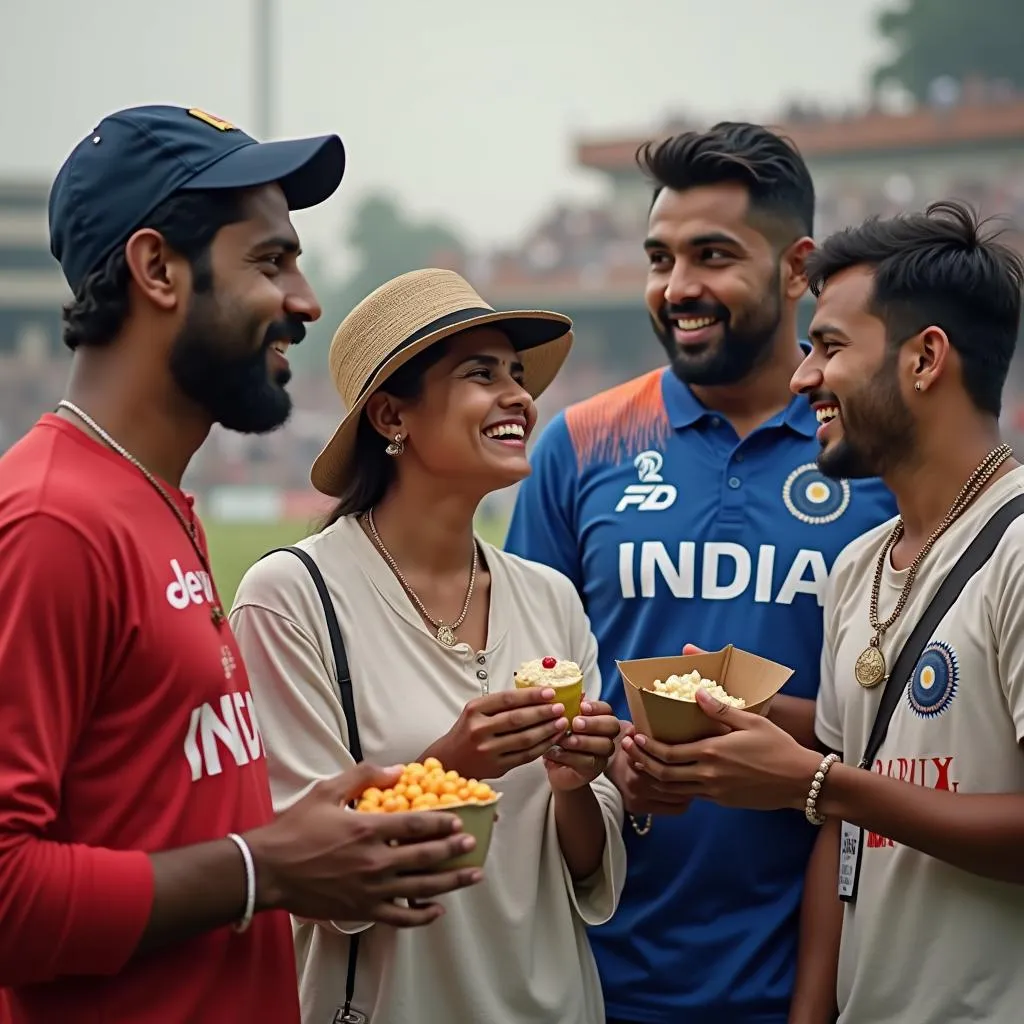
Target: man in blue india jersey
{"points": [[686, 505], [914, 334]]}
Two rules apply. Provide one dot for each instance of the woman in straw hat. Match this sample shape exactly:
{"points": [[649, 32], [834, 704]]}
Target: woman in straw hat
{"points": [[439, 390]]}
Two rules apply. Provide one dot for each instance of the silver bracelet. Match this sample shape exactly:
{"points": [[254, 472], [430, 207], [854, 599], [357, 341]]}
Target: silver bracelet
{"points": [[811, 807], [641, 830], [250, 882]]}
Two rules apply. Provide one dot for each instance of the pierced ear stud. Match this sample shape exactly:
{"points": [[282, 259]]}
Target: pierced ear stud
{"points": [[917, 385], [396, 447]]}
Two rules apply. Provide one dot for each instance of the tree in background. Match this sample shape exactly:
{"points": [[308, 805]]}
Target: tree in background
{"points": [[384, 242], [936, 38], [387, 242]]}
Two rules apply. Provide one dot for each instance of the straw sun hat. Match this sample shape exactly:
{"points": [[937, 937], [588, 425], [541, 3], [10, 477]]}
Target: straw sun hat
{"points": [[402, 318]]}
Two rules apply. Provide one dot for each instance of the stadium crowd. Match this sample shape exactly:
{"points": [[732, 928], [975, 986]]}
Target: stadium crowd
{"points": [[596, 239], [587, 242]]}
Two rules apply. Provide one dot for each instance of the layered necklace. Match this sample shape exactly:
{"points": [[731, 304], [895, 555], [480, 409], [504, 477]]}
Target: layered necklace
{"points": [[444, 632], [870, 668], [216, 612]]}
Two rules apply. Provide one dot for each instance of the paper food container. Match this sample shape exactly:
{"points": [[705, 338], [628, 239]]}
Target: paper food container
{"points": [[739, 673], [478, 822], [569, 694]]}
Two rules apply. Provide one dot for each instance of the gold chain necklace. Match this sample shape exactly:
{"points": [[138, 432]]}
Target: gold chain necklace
{"points": [[870, 668], [444, 633], [216, 612]]}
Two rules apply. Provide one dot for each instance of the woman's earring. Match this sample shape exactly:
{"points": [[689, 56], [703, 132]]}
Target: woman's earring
{"points": [[396, 447], [917, 385]]}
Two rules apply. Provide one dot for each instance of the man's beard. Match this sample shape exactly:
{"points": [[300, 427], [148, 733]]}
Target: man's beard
{"points": [[878, 430], [213, 363], [744, 345]]}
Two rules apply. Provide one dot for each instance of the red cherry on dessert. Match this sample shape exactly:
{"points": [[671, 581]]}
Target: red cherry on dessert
{"points": [[549, 662]]}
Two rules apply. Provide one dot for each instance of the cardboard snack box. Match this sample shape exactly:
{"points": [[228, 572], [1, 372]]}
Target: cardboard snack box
{"points": [[740, 673]]}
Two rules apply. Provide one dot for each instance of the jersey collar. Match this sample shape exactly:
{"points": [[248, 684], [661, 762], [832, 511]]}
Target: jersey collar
{"points": [[684, 410]]}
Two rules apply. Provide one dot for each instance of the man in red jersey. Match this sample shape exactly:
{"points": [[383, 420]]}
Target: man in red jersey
{"points": [[143, 875]]}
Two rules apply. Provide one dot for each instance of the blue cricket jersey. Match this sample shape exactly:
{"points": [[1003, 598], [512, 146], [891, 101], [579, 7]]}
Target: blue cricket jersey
{"points": [[675, 531]]}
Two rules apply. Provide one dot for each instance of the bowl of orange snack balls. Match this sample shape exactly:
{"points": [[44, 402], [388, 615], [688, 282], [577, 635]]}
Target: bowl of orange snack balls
{"points": [[429, 787]]}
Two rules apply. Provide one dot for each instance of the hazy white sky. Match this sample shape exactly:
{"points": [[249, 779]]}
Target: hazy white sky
{"points": [[467, 109]]}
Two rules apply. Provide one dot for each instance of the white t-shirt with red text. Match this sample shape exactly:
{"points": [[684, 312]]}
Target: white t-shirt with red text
{"points": [[924, 941]]}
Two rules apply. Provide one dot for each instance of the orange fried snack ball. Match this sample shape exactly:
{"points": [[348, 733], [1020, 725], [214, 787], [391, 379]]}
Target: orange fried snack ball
{"points": [[423, 787]]}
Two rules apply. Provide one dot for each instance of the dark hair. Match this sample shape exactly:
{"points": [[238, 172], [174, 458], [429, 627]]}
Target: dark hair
{"points": [[374, 468], [937, 269], [189, 221], [767, 164]]}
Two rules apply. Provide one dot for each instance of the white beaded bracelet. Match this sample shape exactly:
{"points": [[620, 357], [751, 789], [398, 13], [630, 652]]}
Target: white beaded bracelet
{"points": [[811, 807], [641, 830], [250, 882]]}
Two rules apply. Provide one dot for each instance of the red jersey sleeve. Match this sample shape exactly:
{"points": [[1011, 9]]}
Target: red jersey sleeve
{"points": [[66, 908]]}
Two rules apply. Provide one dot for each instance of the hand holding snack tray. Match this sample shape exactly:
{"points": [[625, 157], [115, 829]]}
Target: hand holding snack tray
{"points": [[501, 731], [711, 751], [643, 792], [320, 861], [427, 786]]}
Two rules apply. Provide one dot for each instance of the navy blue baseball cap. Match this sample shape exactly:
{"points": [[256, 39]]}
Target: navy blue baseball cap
{"points": [[136, 158]]}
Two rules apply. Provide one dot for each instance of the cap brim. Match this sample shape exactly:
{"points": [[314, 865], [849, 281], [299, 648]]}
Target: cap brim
{"points": [[308, 170], [543, 340]]}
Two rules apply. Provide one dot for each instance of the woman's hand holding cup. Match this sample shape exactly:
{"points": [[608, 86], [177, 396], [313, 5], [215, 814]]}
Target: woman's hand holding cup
{"points": [[501, 731]]}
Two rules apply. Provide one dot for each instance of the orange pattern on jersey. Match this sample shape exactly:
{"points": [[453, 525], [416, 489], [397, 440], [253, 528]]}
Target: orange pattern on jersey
{"points": [[620, 422]]}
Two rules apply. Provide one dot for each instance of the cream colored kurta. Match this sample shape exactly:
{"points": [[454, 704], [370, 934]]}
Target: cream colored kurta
{"points": [[513, 948]]}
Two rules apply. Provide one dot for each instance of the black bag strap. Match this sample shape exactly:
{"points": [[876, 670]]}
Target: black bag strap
{"points": [[348, 707], [977, 554], [344, 677]]}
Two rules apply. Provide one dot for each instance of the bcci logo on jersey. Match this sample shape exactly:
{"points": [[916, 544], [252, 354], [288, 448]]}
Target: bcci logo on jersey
{"points": [[814, 498], [652, 494]]}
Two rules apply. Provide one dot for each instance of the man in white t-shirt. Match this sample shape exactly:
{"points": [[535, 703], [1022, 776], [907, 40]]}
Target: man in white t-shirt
{"points": [[915, 327]]}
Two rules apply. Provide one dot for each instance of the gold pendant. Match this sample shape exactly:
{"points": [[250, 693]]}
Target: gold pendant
{"points": [[445, 635], [869, 668]]}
